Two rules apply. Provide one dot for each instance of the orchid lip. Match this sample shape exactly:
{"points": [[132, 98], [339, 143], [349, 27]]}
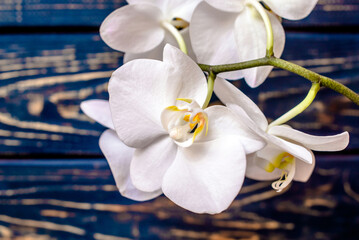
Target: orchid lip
{"points": [[286, 163], [283, 161], [185, 122]]}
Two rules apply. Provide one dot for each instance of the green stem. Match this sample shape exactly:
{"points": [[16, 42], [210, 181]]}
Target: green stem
{"points": [[177, 35], [268, 25], [211, 78], [235, 66], [299, 108], [291, 67]]}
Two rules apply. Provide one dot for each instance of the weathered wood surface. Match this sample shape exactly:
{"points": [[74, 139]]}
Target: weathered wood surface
{"points": [[92, 13], [42, 86], [44, 77], [65, 199], [56, 12], [331, 13]]}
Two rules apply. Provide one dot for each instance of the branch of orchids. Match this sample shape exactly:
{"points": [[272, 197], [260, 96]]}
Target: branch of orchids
{"points": [[291, 67]]}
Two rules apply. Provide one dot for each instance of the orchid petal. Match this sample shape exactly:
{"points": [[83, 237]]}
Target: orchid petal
{"points": [[251, 42], [133, 28], [173, 8], [296, 150], [119, 158], [212, 37], [318, 143], [246, 120], [157, 3], [223, 122], [304, 170], [149, 164], [180, 9], [291, 9], [157, 52], [228, 94], [186, 78], [206, 177], [276, 143], [98, 110], [228, 5], [137, 100]]}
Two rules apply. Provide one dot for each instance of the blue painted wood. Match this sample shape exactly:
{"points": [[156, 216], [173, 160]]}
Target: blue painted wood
{"points": [[336, 13], [43, 84], [77, 199], [56, 12], [92, 13]]}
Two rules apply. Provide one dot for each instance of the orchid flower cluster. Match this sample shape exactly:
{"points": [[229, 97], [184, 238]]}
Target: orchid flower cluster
{"points": [[163, 137]]}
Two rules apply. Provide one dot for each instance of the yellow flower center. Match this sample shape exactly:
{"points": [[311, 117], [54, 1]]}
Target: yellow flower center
{"points": [[179, 23], [186, 122], [281, 161]]}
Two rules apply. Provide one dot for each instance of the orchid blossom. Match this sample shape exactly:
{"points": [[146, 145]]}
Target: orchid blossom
{"points": [[239, 30], [117, 154], [287, 155], [142, 28], [196, 156]]}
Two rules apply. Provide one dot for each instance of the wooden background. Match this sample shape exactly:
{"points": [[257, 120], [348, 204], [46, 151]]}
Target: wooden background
{"points": [[55, 183]]}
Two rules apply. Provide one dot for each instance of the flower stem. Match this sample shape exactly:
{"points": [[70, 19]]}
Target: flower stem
{"points": [[268, 25], [299, 108], [177, 35], [211, 78], [291, 67]]}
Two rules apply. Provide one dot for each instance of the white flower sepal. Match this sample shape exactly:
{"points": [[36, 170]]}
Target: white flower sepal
{"points": [[196, 156], [232, 31], [287, 155], [117, 154], [138, 28]]}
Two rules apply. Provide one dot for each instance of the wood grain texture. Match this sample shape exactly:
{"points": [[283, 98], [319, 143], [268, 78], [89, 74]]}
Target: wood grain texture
{"points": [[65, 199], [332, 13], [43, 84], [92, 13], [56, 12]]}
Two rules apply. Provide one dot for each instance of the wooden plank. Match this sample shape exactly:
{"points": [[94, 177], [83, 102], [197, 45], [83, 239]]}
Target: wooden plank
{"points": [[331, 13], [43, 84], [92, 13], [77, 199], [56, 12]]}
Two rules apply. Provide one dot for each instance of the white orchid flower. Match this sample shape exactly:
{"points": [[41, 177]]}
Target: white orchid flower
{"points": [[288, 154], [142, 28], [232, 31], [117, 154], [196, 156]]}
